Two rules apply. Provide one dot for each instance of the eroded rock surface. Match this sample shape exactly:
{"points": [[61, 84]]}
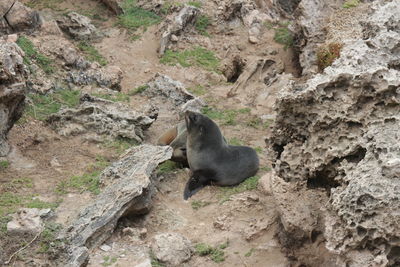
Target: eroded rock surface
{"points": [[27, 221], [12, 89], [172, 248], [109, 76], [129, 189], [78, 26], [15, 16], [339, 133], [105, 119]]}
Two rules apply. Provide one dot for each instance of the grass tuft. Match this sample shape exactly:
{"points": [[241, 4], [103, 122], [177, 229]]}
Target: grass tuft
{"points": [[135, 17], [31, 53], [216, 253], [167, 166], [195, 4], [326, 55], [138, 90], [228, 117], [91, 53], [351, 3], [48, 238], [4, 164], [44, 105], [248, 184], [197, 204], [201, 25], [116, 97], [107, 260], [120, 144], [197, 56], [249, 253], [198, 90]]}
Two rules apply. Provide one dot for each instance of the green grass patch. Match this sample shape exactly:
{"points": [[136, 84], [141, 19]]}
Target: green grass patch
{"points": [[215, 253], [248, 184], [91, 53], [168, 6], [197, 56], [258, 149], [138, 90], [326, 55], [31, 53], [265, 169], [351, 3], [48, 237], [107, 260], [282, 34], [235, 142], [42, 4], [228, 117], [115, 97], [195, 4], [89, 181], [4, 164], [135, 17], [120, 144], [197, 204], [249, 253], [201, 25], [44, 105], [154, 261], [167, 166], [198, 90]]}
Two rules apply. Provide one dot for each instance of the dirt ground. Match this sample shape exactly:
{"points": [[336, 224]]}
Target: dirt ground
{"points": [[247, 221]]}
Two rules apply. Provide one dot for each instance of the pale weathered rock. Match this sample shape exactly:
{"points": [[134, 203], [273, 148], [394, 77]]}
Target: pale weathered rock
{"points": [[109, 76], [129, 190], [12, 90], [78, 26], [26, 221], [338, 132], [162, 85], [104, 118], [186, 16], [21, 17], [172, 248]]}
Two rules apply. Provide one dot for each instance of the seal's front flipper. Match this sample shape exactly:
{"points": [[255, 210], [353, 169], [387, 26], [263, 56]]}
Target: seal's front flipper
{"points": [[197, 181]]}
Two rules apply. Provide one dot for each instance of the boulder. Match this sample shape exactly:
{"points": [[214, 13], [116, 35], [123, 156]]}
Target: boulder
{"points": [[172, 248], [12, 89], [18, 17], [129, 191], [78, 26], [103, 118], [114, 5], [186, 16], [338, 133], [109, 76], [27, 221]]}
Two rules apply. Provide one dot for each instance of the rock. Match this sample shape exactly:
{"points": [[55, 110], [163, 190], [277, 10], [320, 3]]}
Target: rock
{"points": [[254, 34], [26, 221], [105, 248], [12, 38], [265, 183], [109, 77], [20, 17], [114, 5], [172, 248], [102, 117], [338, 133], [194, 105], [130, 187], [12, 90], [146, 263], [164, 86], [78, 26], [186, 16]]}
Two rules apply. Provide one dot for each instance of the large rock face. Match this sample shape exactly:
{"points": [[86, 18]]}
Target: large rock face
{"points": [[339, 133], [12, 90], [128, 192], [15, 16]]}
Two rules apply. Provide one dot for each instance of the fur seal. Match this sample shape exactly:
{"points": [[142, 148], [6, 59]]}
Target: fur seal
{"points": [[211, 159], [176, 138]]}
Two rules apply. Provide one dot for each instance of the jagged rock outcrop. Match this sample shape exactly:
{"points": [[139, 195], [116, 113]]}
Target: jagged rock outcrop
{"points": [[15, 16], [114, 5], [164, 86], [101, 118], [128, 192], [339, 133], [186, 16], [12, 89], [109, 76], [78, 26]]}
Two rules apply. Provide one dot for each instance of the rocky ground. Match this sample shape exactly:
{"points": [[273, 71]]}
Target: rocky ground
{"points": [[88, 86]]}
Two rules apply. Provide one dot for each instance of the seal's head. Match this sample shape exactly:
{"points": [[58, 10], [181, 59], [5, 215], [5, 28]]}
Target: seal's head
{"points": [[201, 128]]}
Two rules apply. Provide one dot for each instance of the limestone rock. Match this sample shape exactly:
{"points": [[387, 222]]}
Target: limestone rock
{"points": [[12, 89], [172, 248], [27, 221], [130, 187], [20, 17], [186, 16], [164, 86], [109, 76], [338, 133], [102, 117], [78, 26]]}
